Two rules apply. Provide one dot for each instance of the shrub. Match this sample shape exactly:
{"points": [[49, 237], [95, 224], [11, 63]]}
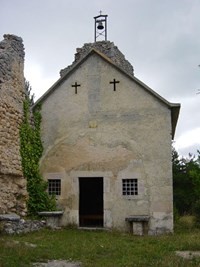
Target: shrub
{"points": [[196, 209], [31, 151]]}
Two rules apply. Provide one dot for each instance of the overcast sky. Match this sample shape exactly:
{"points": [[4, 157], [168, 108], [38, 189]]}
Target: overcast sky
{"points": [[160, 38]]}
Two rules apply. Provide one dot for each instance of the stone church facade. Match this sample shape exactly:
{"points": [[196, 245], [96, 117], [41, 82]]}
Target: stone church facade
{"points": [[107, 144]]}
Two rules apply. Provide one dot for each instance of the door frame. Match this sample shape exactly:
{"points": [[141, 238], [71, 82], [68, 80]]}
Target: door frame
{"points": [[91, 220]]}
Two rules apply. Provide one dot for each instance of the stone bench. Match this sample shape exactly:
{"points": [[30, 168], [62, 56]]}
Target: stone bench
{"points": [[52, 218], [138, 223]]}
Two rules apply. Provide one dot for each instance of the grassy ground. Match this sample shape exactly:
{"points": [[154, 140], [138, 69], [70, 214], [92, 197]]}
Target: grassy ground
{"points": [[99, 248]]}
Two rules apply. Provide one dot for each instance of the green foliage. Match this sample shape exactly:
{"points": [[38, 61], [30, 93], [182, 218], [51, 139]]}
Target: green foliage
{"points": [[28, 90], [185, 223], [176, 214], [196, 211], [186, 184], [31, 151]]}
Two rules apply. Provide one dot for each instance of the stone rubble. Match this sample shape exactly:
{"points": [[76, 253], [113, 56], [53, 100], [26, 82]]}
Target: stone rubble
{"points": [[189, 255], [107, 48], [57, 263], [22, 226]]}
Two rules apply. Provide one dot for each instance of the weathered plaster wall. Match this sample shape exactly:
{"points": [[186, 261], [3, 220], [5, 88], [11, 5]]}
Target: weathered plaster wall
{"points": [[112, 134], [12, 182]]}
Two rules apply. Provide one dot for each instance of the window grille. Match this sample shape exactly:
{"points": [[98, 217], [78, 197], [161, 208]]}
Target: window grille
{"points": [[129, 187], [54, 187]]}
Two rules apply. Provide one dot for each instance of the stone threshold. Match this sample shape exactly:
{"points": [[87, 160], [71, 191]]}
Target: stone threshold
{"points": [[93, 228]]}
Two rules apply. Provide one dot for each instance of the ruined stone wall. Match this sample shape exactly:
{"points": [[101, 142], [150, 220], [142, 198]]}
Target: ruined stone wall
{"points": [[107, 48], [12, 92]]}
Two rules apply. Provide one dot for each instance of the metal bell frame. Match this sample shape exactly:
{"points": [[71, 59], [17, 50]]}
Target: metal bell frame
{"points": [[100, 26]]}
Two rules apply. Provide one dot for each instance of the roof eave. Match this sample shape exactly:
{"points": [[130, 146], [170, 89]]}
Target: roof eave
{"points": [[175, 109]]}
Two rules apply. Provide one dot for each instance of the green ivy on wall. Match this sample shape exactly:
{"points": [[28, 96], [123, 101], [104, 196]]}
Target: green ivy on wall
{"points": [[31, 151]]}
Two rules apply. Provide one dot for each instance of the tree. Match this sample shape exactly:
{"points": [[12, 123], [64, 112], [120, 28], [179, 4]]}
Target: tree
{"points": [[186, 182], [29, 96]]}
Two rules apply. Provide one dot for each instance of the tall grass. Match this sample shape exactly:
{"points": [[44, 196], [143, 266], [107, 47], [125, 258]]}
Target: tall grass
{"points": [[99, 248]]}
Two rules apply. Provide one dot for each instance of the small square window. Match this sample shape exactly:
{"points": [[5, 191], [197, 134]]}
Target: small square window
{"points": [[129, 187], [54, 187]]}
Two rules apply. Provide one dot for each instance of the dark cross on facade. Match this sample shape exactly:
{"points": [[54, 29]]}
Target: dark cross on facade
{"points": [[114, 84], [76, 85]]}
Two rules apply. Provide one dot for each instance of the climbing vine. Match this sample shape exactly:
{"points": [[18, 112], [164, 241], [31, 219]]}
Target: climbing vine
{"points": [[31, 151]]}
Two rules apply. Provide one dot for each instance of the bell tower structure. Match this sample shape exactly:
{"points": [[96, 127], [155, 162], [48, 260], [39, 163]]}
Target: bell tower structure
{"points": [[100, 27]]}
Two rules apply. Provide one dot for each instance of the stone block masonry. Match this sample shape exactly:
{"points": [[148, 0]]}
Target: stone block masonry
{"points": [[107, 48], [13, 192]]}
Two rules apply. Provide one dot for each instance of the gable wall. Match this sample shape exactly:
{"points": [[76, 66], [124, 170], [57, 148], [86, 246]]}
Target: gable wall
{"points": [[96, 99], [121, 134]]}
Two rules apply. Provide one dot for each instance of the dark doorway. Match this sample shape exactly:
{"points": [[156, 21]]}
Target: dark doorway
{"points": [[91, 202]]}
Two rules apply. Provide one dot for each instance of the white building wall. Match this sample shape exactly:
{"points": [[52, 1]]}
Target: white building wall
{"points": [[115, 134]]}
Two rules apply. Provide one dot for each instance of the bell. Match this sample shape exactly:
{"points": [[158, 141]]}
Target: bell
{"points": [[100, 26]]}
